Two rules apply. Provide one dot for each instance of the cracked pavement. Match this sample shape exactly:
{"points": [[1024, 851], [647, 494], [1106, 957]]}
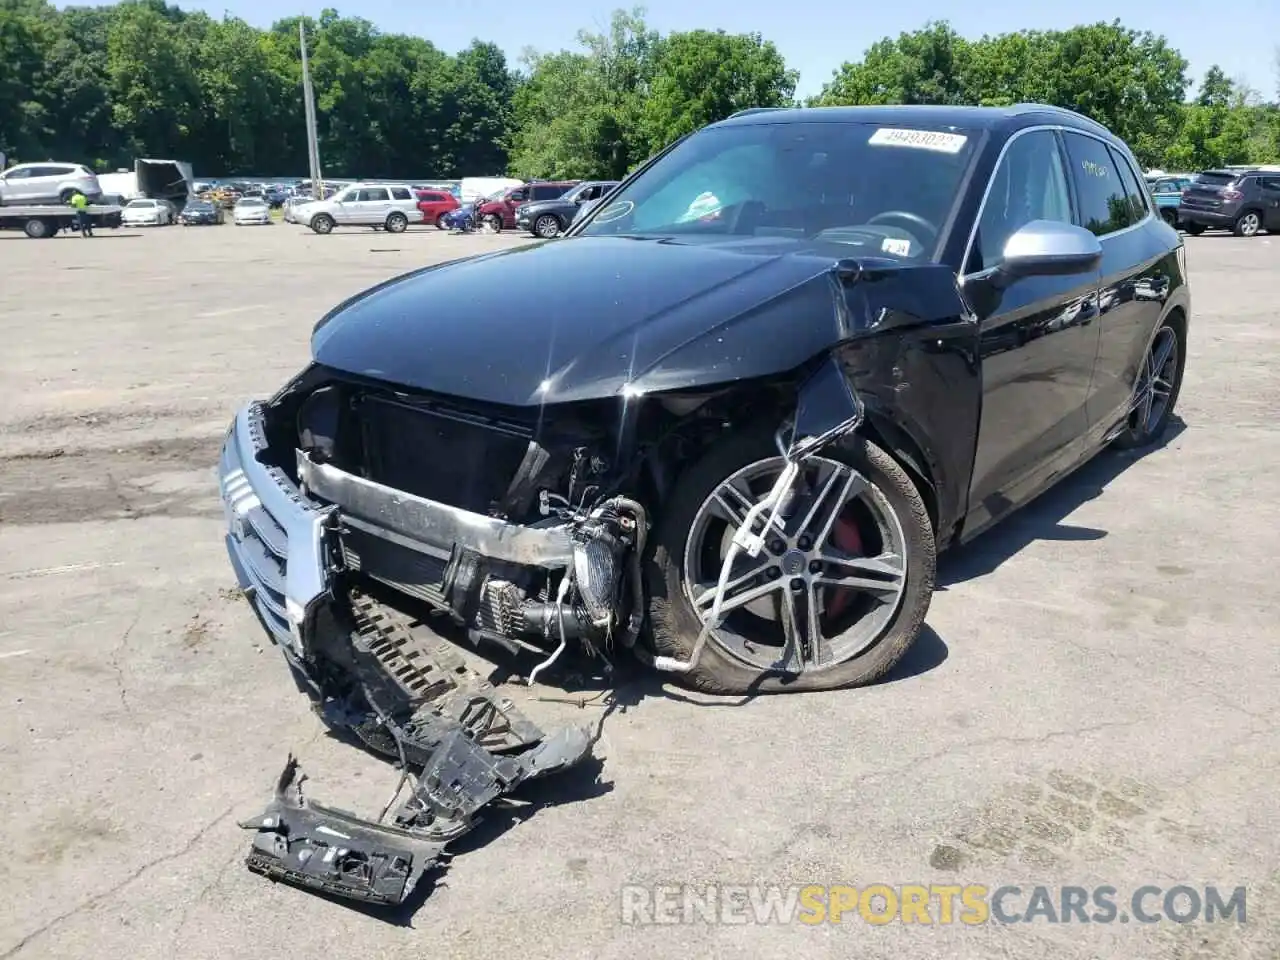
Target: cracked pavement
{"points": [[1092, 703]]}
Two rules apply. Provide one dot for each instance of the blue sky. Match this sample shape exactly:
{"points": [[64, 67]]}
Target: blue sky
{"points": [[815, 36]]}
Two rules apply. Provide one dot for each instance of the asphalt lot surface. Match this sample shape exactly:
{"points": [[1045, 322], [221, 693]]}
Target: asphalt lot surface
{"points": [[1093, 704]]}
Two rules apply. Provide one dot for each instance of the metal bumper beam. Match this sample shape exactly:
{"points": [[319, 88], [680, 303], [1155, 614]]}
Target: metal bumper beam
{"points": [[429, 525]]}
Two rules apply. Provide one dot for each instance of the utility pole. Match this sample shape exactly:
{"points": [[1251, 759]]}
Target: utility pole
{"points": [[309, 102]]}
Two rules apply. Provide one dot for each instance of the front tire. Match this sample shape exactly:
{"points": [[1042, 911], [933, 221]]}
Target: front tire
{"points": [[493, 222], [1170, 217], [547, 226], [870, 591], [1195, 229]]}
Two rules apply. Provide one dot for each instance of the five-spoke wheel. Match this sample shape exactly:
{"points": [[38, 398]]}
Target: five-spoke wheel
{"points": [[836, 595]]}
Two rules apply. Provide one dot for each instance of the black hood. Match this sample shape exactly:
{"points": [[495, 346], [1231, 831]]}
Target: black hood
{"points": [[579, 318]]}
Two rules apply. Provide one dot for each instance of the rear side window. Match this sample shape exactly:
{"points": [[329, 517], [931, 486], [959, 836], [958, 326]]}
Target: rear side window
{"points": [[1270, 183], [377, 193], [548, 192], [401, 193], [1104, 202], [1137, 196]]}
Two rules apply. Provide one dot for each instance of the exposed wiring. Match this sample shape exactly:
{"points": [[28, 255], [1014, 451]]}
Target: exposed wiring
{"points": [[564, 640]]}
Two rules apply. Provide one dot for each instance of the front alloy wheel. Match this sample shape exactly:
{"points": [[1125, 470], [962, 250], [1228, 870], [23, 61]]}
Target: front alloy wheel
{"points": [[546, 226], [493, 222], [836, 596]]}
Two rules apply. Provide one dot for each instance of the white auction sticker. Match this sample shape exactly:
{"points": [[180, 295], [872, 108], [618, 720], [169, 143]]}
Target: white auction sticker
{"points": [[921, 139], [899, 248]]}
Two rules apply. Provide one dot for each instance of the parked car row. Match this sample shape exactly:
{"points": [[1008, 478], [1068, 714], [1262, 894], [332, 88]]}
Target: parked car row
{"points": [[145, 212], [1244, 201]]}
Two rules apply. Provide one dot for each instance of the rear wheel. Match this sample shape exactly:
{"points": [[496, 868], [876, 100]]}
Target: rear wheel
{"points": [[322, 223], [1159, 382], [1248, 224], [66, 195], [38, 229], [440, 224], [1170, 216], [833, 600], [397, 223]]}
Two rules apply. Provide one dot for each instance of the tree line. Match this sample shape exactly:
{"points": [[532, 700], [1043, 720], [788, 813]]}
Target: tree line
{"points": [[104, 85]]}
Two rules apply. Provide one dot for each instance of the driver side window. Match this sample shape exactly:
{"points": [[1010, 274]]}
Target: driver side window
{"points": [[1030, 184]]}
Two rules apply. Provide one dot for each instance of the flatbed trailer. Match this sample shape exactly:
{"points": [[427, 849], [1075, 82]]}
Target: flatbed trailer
{"points": [[42, 220]]}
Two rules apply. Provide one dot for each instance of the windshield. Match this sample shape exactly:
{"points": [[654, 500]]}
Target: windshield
{"points": [[852, 183]]}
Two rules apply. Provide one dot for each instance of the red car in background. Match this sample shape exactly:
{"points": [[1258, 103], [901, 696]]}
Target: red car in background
{"points": [[500, 214], [435, 204]]}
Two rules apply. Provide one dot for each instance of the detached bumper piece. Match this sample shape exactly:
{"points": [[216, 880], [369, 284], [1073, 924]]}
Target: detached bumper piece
{"points": [[336, 852], [468, 746]]}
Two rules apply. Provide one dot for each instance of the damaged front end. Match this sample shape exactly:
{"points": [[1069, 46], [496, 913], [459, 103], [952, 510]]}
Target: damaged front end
{"points": [[360, 516]]}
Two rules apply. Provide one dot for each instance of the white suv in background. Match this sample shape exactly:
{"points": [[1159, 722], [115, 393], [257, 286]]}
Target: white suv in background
{"points": [[47, 183], [388, 205]]}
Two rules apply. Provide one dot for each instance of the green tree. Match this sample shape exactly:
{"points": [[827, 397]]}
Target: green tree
{"points": [[701, 77]]}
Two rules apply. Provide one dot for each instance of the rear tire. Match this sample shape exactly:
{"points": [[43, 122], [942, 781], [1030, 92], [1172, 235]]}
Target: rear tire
{"points": [[38, 229], [1248, 224], [440, 224], [1170, 217], [322, 223], [397, 223], [674, 625], [1146, 426]]}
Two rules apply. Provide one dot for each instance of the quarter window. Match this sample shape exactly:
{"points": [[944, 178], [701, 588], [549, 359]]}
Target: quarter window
{"points": [[1030, 184], [1104, 202], [401, 193], [1137, 202]]}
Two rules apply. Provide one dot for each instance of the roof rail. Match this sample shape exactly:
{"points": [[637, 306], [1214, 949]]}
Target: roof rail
{"points": [[1051, 108], [750, 110]]}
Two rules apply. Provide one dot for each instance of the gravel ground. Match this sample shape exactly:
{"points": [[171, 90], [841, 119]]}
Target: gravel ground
{"points": [[1092, 704]]}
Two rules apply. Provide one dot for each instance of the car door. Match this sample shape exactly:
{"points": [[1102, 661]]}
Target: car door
{"points": [[1136, 275], [18, 185], [511, 201], [374, 205], [1270, 187], [1036, 339]]}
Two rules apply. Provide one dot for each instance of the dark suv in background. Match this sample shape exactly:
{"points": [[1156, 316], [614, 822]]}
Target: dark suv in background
{"points": [[501, 213], [549, 218], [1242, 202]]}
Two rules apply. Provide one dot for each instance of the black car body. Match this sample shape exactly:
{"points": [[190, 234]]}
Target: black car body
{"points": [[550, 218], [1244, 202], [200, 213], [772, 374]]}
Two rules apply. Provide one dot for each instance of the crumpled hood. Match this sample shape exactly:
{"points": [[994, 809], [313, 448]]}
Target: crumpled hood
{"points": [[579, 318]]}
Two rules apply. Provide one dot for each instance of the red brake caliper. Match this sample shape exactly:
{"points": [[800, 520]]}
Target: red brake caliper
{"points": [[845, 536]]}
